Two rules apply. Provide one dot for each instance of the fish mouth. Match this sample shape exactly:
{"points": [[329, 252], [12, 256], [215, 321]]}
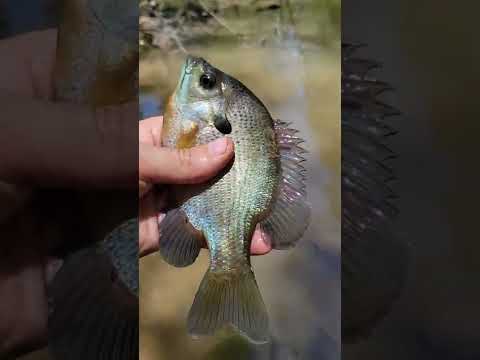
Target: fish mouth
{"points": [[187, 68], [190, 62]]}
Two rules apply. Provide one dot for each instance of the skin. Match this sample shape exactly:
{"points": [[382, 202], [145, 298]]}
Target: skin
{"points": [[58, 153]]}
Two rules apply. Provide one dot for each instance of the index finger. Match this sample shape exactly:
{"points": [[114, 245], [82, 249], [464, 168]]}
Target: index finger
{"points": [[150, 131]]}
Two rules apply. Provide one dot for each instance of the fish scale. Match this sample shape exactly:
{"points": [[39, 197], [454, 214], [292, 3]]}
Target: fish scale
{"points": [[239, 231]]}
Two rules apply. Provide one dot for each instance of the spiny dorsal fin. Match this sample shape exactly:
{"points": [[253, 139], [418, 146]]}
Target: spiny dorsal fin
{"points": [[290, 214]]}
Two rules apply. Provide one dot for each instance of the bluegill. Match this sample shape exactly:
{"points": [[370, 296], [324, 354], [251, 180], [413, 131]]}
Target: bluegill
{"points": [[264, 185]]}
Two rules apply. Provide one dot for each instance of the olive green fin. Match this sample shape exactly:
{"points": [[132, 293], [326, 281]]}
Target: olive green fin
{"points": [[180, 242], [290, 213], [229, 301]]}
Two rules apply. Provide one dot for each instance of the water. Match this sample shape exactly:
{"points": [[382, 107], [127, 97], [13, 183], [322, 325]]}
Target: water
{"points": [[149, 106]]}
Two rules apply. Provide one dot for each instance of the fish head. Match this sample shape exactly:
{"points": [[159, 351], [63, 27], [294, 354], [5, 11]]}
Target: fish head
{"points": [[199, 94], [199, 82], [197, 107]]}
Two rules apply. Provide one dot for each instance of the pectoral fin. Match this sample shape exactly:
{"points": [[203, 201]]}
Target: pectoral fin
{"points": [[290, 214], [180, 242]]}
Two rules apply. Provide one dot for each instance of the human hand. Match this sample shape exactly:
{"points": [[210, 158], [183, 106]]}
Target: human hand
{"points": [[54, 144], [46, 144], [160, 165], [25, 271]]}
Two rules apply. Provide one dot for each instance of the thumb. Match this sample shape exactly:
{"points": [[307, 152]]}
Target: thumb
{"points": [[184, 166]]}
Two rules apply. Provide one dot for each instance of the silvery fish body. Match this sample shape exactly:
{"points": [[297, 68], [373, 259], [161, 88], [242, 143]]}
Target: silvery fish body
{"points": [[263, 185]]}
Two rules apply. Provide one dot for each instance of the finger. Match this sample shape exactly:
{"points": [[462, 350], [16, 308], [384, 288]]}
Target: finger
{"points": [[143, 188], [148, 234], [261, 243], [52, 266], [23, 308], [32, 76], [150, 131], [184, 166], [93, 148]]}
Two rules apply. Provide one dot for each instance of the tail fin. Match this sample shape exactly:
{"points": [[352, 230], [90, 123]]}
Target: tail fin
{"points": [[229, 300]]}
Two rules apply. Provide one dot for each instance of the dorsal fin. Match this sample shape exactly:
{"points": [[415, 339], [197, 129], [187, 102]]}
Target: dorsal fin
{"points": [[290, 214]]}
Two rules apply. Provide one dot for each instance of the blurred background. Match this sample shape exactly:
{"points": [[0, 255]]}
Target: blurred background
{"points": [[430, 56], [288, 54], [18, 17]]}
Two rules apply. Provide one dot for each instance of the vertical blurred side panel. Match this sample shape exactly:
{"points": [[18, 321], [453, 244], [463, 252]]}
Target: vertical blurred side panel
{"points": [[374, 260], [93, 299]]}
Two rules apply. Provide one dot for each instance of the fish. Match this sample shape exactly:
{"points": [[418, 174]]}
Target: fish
{"points": [[263, 186]]}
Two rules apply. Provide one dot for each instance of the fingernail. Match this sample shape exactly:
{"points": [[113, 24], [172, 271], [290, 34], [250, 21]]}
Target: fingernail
{"points": [[218, 147], [265, 239], [53, 266], [160, 217]]}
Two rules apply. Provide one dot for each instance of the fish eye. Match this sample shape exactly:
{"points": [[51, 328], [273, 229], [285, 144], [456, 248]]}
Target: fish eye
{"points": [[207, 81]]}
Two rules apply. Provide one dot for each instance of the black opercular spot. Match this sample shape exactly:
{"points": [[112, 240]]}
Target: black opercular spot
{"points": [[223, 125], [207, 81]]}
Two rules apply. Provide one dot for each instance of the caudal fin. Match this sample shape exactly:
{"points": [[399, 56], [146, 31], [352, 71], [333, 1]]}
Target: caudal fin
{"points": [[226, 300]]}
